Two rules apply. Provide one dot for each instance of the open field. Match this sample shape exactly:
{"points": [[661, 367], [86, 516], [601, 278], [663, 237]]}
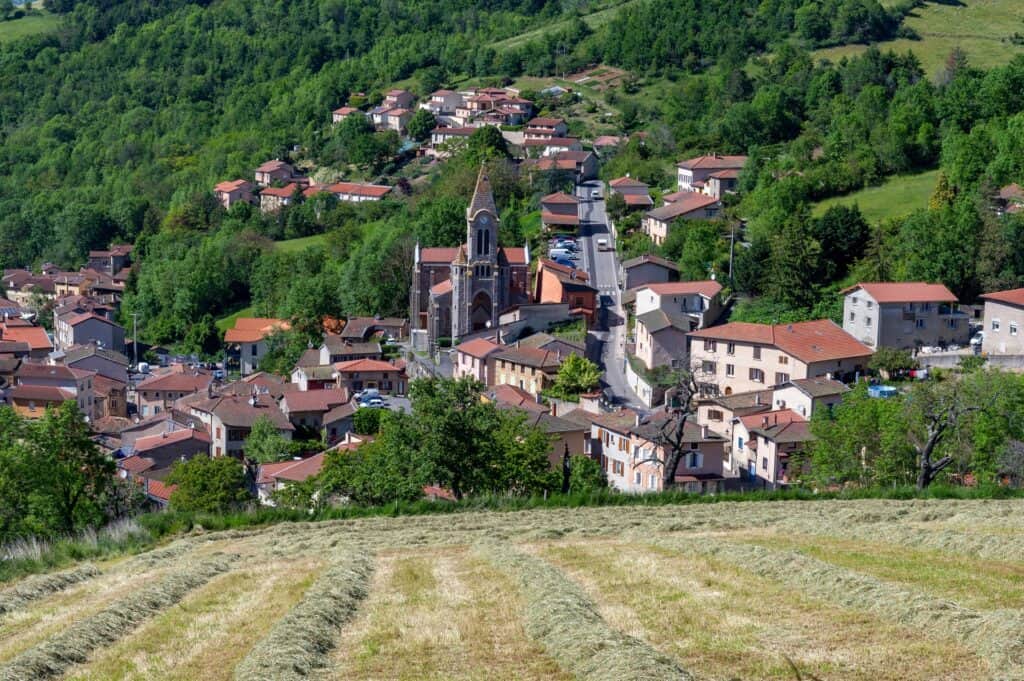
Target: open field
{"points": [[874, 589], [979, 27], [894, 198], [594, 19], [300, 244], [30, 25]]}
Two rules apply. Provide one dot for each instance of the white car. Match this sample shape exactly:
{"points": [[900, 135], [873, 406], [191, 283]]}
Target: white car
{"points": [[978, 338], [596, 194]]}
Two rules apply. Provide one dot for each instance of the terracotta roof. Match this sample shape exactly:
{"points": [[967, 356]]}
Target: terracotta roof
{"points": [[441, 93], [814, 341], [778, 416], [235, 411], [338, 413], [544, 122], [905, 292], [358, 189], [713, 161], [86, 316], [438, 255], [300, 470], [1011, 297], [580, 275], [637, 199], [397, 92], [607, 141], [232, 185], [514, 256], [708, 288], [621, 421], [313, 400], [505, 395], [441, 288], [549, 218], [104, 385], [620, 182], [1012, 192], [47, 371], [345, 110], [271, 166], [136, 464], [42, 393], [649, 258], [681, 206], [651, 427], [267, 471], [561, 198], [551, 163], [454, 132], [159, 490], [151, 442], [782, 426], [284, 192], [730, 174], [178, 381], [478, 347], [365, 365], [552, 142], [252, 329]]}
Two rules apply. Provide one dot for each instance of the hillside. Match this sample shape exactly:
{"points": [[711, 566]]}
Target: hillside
{"points": [[840, 590]]}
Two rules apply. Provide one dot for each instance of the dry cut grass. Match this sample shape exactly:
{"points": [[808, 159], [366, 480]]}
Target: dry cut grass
{"points": [[300, 641], [40, 586], [563, 619], [206, 634], [74, 645], [441, 614]]}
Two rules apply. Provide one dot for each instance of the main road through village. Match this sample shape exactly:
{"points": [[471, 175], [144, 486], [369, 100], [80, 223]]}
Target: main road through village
{"points": [[603, 268]]}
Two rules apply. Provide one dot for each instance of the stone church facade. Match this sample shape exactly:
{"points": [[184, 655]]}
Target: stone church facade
{"points": [[463, 290]]}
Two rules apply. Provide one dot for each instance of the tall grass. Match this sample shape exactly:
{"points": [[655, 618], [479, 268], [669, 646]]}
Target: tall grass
{"points": [[74, 645], [298, 644], [567, 624]]}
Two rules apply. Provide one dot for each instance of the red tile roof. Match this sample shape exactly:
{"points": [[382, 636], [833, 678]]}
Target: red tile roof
{"points": [[713, 161], [627, 182], [345, 110], [438, 255], [159, 490], [478, 347], [773, 417], [687, 202], [607, 141], [441, 287], [136, 464], [252, 329], [552, 142], [232, 185], [638, 199], [545, 122], [358, 189], [86, 316], [708, 288], [151, 442], [814, 341], [34, 336], [365, 365], [314, 400], [41, 393], [299, 471], [514, 396], [271, 166], [905, 292], [282, 192], [549, 218], [514, 256], [1011, 297], [177, 381], [561, 198]]}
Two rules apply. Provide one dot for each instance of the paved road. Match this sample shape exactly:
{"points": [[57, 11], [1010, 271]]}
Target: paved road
{"points": [[603, 267]]}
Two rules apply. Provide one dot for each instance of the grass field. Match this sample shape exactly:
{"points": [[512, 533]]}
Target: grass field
{"points": [[894, 198], [925, 589], [30, 25], [594, 20], [225, 323], [302, 243], [979, 27]]}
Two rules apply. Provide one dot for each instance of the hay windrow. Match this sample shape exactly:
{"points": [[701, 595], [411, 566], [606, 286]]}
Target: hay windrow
{"points": [[74, 645], [40, 586], [300, 641], [997, 635], [561, 617]]}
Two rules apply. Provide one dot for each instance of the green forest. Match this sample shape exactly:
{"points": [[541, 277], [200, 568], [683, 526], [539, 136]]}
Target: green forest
{"points": [[116, 126]]}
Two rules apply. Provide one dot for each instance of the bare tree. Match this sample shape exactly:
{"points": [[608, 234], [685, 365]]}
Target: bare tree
{"points": [[941, 410], [667, 430]]}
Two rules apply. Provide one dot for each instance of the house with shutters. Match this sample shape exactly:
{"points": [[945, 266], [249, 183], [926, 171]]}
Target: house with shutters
{"points": [[694, 174], [763, 444], [560, 212], [635, 193], [904, 315], [230, 192], [557, 283], [685, 206], [1003, 321], [665, 313], [473, 358], [229, 419], [248, 338], [743, 357]]}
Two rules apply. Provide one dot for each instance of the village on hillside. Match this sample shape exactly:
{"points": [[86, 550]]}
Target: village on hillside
{"points": [[508, 315]]}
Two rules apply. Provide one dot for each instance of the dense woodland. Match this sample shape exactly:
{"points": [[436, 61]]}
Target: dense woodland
{"points": [[116, 127]]}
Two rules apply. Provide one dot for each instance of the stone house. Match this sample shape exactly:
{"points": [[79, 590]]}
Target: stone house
{"points": [[904, 315]]}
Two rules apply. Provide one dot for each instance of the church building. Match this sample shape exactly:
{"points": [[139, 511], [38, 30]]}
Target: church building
{"points": [[460, 291]]}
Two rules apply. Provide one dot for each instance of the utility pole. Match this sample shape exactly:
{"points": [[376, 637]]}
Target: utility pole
{"points": [[135, 339]]}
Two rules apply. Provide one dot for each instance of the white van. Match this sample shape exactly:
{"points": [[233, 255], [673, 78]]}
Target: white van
{"points": [[602, 245], [561, 253]]}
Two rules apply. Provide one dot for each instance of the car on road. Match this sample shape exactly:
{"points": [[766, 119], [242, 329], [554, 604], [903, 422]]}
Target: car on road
{"points": [[373, 403], [596, 194], [556, 253], [602, 245]]}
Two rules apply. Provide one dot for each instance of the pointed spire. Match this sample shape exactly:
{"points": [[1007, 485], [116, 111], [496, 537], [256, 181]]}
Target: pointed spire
{"points": [[483, 197]]}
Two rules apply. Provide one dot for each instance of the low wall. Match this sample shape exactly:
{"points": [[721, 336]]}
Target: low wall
{"points": [[650, 395]]}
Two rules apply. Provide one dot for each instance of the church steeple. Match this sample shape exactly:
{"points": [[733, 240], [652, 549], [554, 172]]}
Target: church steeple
{"points": [[483, 197]]}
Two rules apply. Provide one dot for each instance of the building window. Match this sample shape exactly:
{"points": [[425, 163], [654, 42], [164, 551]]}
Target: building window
{"points": [[867, 321], [652, 481], [757, 352], [764, 463], [869, 303], [853, 316], [710, 345], [730, 369], [730, 349], [695, 460], [715, 415], [919, 323], [739, 443], [1013, 328], [757, 376], [636, 478], [926, 307], [708, 367], [781, 378], [953, 323], [783, 359], [995, 325]]}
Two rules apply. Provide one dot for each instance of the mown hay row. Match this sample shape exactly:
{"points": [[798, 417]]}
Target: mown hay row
{"points": [[300, 641], [990, 546], [996, 635], [40, 586], [561, 617], [73, 646]]}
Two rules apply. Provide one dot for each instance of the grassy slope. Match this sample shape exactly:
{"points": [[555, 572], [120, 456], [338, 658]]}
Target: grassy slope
{"points": [[594, 20], [977, 26], [437, 610], [30, 25], [896, 197]]}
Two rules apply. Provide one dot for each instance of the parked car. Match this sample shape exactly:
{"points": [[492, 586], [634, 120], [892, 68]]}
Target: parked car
{"points": [[596, 194], [602, 245]]}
